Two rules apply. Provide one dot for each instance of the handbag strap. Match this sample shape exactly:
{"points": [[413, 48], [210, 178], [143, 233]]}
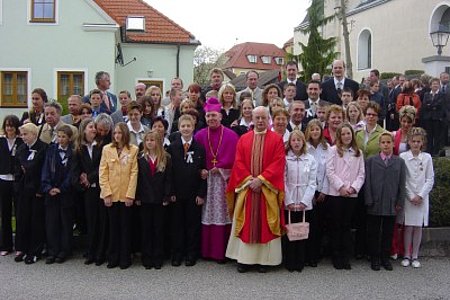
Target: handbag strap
{"points": [[289, 217], [304, 215]]}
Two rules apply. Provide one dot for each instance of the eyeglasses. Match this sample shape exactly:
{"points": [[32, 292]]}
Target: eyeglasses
{"points": [[372, 115]]}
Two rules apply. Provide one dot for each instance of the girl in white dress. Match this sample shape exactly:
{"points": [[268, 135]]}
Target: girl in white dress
{"points": [[419, 182]]}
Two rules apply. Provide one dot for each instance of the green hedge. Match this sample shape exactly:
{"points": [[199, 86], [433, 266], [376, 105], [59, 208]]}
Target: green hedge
{"points": [[388, 75], [414, 72], [440, 195]]}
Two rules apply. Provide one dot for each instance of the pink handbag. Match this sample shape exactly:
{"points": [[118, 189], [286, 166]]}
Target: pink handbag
{"points": [[297, 231]]}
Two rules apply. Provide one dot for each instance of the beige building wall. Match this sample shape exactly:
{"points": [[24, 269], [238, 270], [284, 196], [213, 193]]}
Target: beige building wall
{"points": [[399, 30]]}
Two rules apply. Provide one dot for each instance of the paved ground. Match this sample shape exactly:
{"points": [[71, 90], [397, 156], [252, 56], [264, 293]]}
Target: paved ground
{"points": [[208, 280]]}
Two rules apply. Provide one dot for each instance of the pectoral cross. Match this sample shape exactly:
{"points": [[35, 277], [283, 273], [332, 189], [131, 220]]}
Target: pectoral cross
{"points": [[214, 161]]}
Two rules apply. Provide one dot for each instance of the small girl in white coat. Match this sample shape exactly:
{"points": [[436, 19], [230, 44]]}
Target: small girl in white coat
{"points": [[300, 187], [419, 182]]}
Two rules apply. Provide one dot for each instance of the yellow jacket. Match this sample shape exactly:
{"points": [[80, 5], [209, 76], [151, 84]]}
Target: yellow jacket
{"points": [[118, 175]]}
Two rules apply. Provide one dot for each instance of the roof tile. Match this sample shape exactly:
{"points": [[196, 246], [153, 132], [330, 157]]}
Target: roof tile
{"points": [[158, 27], [237, 56]]}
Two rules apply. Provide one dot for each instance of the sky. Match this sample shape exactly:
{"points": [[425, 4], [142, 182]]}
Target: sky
{"points": [[222, 24]]}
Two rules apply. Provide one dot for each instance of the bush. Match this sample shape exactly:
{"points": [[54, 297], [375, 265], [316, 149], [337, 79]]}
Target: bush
{"points": [[440, 195], [414, 72], [388, 75]]}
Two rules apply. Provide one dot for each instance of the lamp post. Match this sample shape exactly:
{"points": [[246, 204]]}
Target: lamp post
{"points": [[440, 39]]}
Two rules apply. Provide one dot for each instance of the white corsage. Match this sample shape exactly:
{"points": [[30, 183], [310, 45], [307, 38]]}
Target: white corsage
{"points": [[189, 158]]}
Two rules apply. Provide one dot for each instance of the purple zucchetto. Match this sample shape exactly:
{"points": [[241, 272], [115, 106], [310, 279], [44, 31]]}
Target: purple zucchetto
{"points": [[212, 105]]}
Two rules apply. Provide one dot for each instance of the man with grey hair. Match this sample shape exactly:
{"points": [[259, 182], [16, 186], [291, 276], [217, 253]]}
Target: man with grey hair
{"points": [[255, 196], [48, 131], [74, 104], [252, 78], [139, 91], [109, 100]]}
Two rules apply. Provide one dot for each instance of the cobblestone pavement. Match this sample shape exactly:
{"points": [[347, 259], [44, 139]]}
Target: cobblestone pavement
{"points": [[208, 280]]}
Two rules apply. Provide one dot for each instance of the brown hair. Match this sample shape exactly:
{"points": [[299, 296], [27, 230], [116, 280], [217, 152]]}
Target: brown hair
{"points": [[336, 109], [418, 131], [125, 135], [266, 90], [340, 146]]}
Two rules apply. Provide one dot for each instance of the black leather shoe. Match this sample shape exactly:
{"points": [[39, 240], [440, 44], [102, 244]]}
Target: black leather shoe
{"points": [[19, 258], [262, 269], [31, 259], [158, 266], [346, 264], [312, 264], [60, 260], [111, 265], [50, 260], [337, 264], [176, 262], [89, 261], [387, 265], [241, 268], [375, 265], [124, 266], [190, 262]]}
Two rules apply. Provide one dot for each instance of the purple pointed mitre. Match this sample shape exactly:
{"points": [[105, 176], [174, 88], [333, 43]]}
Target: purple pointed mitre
{"points": [[213, 105]]}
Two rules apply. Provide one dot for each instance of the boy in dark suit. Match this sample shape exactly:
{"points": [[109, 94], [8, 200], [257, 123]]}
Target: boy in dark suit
{"points": [[384, 192], [188, 194], [57, 188]]}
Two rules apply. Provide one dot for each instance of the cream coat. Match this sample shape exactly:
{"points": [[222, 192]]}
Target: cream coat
{"points": [[118, 175], [300, 179], [419, 181]]}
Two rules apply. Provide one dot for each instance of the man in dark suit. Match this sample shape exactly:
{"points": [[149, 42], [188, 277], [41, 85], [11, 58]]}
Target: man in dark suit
{"points": [[313, 102], [292, 70], [445, 90], [297, 116], [109, 100], [392, 122], [332, 87]]}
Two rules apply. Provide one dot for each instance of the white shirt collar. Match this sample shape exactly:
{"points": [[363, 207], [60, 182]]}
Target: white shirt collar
{"points": [[183, 141], [336, 82], [141, 129]]}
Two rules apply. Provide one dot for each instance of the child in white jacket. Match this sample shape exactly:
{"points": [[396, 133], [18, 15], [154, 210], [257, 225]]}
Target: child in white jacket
{"points": [[300, 187]]}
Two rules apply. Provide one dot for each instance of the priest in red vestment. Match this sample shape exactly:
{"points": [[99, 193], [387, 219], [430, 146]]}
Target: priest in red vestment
{"points": [[255, 196]]}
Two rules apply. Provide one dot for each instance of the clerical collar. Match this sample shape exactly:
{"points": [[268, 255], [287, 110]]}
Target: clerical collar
{"points": [[261, 132]]}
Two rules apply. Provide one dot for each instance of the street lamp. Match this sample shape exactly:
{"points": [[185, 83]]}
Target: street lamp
{"points": [[439, 39]]}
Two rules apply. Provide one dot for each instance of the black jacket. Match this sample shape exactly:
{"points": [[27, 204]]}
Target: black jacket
{"points": [[6, 156], [300, 93], [28, 167], [186, 180], [154, 188], [83, 163], [330, 94], [433, 109]]}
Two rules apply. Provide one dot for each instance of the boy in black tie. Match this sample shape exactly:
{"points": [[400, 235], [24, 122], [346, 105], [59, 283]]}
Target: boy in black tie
{"points": [[188, 194], [56, 185]]}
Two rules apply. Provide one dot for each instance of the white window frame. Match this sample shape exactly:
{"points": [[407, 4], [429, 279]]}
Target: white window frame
{"points": [[279, 60], [364, 49], [267, 60], [253, 59]]}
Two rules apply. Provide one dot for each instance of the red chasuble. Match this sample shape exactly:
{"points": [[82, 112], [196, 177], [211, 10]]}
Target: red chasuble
{"points": [[258, 216]]}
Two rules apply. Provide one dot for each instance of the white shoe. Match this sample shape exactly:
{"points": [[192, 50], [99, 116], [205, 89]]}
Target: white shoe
{"points": [[394, 256], [416, 263], [406, 262]]}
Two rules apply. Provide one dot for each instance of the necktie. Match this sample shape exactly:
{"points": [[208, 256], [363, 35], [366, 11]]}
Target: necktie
{"points": [[106, 101], [186, 148], [296, 127], [313, 108], [386, 161], [339, 86]]}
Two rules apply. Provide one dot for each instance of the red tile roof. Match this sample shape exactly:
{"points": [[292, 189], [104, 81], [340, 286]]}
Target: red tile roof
{"points": [[158, 27], [237, 56]]}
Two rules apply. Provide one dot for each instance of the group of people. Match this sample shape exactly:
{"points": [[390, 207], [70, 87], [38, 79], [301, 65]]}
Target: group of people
{"points": [[216, 174]]}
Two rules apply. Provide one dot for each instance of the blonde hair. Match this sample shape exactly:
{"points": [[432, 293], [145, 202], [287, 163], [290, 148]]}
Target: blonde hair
{"points": [[222, 90], [161, 155], [30, 128], [418, 131], [356, 105], [315, 122], [301, 136]]}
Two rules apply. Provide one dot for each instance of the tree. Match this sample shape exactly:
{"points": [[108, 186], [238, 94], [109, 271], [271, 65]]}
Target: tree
{"points": [[318, 54], [205, 59], [342, 13]]}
